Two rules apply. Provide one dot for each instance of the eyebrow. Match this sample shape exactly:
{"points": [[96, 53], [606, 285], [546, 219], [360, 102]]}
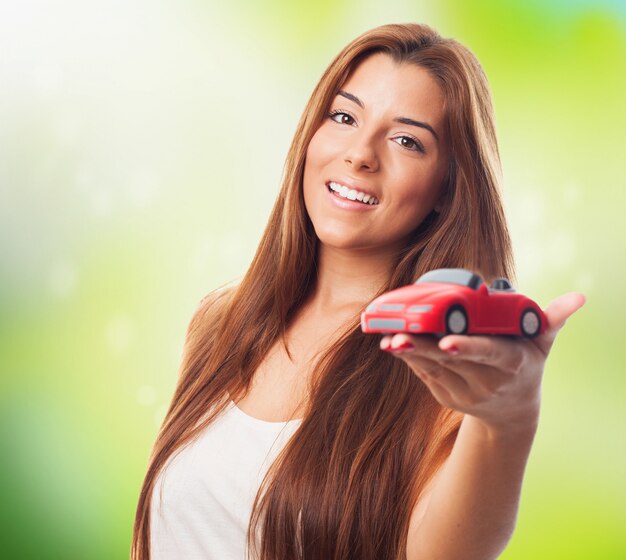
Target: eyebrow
{"points": [[402, 120]]}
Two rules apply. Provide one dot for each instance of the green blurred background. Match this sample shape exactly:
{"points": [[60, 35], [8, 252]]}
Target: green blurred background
{"points": [[141, 148]]}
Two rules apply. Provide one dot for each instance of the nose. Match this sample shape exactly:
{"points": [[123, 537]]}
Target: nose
{"points": [[361, 153]]}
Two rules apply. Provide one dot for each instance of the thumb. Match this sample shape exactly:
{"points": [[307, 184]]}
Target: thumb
{"points": [[558, 312]]}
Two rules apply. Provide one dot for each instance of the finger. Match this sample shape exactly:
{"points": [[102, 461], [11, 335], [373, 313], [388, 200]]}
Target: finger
{"points": [[438, 391], [496, 351], [429, 371], [414, 344], [464, 380], [452, 390], [557, 313], [385, 342], [483, 366], [483, 380]]}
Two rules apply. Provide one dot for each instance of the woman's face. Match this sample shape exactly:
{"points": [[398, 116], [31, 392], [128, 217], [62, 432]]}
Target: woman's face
{"points": [[371, 143]]}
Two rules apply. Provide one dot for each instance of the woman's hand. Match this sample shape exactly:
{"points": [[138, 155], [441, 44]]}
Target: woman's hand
{"points": [[493, 378]]}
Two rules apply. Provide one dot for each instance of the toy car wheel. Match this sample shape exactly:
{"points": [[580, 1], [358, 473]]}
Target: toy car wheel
{"points": [[530, 323], [456, 320]]}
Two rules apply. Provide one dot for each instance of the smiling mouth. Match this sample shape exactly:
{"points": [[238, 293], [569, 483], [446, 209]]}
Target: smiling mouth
{"points": [[351, 194]]}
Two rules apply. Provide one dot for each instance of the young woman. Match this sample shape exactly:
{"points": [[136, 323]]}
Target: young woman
{"points": [[292, 434]]}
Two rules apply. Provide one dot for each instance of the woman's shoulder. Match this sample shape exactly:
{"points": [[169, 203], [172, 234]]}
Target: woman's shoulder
{"points": [[213, 303], [218, 296], [210, 310]]}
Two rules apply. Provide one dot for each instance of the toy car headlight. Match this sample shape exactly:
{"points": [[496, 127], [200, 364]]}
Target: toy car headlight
{"points": [[419, 308]]}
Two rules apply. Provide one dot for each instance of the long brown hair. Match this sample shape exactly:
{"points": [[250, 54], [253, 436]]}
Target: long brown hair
{"points": [[372, 434]]}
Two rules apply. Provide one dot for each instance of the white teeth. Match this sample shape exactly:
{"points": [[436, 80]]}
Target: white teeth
{"points": [[352, 194]]}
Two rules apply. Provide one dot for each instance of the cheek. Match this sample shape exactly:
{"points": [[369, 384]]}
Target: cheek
{"points": [[413, 203], [424, 191], [322, 146], [317, 156], [310, 177], [417, 194]]}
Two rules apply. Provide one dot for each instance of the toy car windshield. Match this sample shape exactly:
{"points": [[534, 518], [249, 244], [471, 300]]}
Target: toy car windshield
{"points": [[452, 276]]}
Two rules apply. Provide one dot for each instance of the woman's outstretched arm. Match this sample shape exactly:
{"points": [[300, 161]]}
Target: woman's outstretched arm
{"points": [[470, 508]]}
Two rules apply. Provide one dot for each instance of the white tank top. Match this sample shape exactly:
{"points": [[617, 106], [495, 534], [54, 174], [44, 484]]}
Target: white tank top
{"points": [[203, 497]]}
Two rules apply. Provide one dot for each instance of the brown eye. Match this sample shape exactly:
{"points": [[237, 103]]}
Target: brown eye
{"points": [[411, 144], [344, 118]]}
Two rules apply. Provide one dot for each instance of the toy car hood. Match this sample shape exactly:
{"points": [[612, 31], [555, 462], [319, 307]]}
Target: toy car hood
{"points": [[408, 294]]}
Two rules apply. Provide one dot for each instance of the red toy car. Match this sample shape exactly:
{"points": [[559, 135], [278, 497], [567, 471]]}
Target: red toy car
{"points": [[454, 301]]}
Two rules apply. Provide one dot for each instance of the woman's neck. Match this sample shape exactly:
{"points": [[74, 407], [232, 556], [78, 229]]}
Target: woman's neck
{"points": [[348, 279]]}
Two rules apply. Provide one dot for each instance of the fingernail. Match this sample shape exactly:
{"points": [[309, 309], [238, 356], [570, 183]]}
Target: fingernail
{"points": [[452, 350], [402, 347]]}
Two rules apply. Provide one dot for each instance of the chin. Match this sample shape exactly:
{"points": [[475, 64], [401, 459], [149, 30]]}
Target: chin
{"points": [[333, 240], [337, 241]]}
